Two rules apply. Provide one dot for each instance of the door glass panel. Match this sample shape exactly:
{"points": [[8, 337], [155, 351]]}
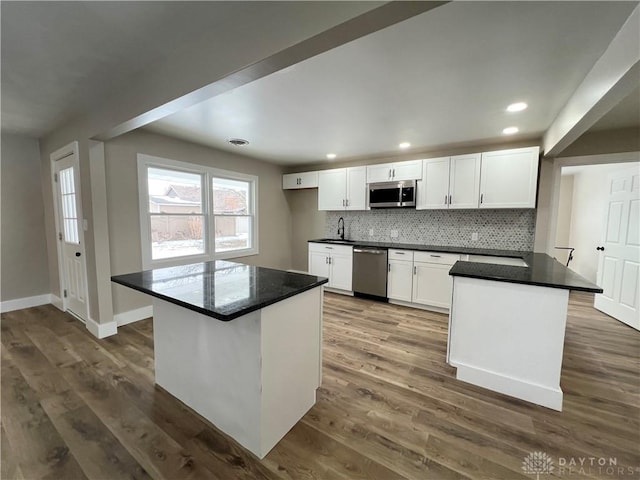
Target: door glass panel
{"points": [[68, 201]]}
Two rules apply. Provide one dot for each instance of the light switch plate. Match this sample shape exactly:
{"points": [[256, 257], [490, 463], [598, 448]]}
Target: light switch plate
{"points": [[394, 233], [371, 232], [474, 237]]}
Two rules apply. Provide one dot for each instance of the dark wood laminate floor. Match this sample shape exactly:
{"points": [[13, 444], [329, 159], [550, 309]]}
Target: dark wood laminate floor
{"points": [[389, 407]]}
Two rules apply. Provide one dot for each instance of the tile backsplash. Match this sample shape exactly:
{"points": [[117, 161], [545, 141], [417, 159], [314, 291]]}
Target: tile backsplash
{"points": [[500, 229]]}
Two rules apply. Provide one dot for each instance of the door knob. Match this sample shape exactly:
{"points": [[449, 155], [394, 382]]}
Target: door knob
{"points": [[600, 248], [78, 254]]}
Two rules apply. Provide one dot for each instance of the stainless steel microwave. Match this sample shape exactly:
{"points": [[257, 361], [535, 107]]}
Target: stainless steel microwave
{"points": [[392, 194]]}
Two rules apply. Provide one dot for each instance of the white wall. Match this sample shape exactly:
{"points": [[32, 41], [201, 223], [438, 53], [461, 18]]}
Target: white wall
{"points": [[25, 270], [565, 206], [589, 202]]}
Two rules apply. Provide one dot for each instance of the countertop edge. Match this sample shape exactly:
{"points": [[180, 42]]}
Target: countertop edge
{"points": [[217, 316], [530, 282]]}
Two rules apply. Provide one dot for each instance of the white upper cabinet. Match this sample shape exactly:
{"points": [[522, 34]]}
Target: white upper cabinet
{"points": [[508, 178], [464, 181], [293, 181], [356, 188], [449, 182], [388, 172], [342, 189], [433, 190]]}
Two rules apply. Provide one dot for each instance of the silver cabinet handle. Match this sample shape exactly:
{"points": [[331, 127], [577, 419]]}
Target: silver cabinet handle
{"points": [[436, 256], [399, 253], [445, 199], [329, 260], [326, 260], [449, 199], [394, 173], [415, 269], [389, 267], [347, 202], [481, 197]]}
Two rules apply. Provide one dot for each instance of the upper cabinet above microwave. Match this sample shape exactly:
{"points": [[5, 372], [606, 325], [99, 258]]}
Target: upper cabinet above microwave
{"points": [[387, 172], [342, 189]]}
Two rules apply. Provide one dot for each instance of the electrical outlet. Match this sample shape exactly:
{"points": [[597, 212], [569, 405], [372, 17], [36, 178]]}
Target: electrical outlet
{"points": [[371, 232], [474, 237], [394, 233]]}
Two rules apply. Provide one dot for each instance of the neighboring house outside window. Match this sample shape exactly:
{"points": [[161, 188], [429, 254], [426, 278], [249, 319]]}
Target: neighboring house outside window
{"points": [[191, 213]]}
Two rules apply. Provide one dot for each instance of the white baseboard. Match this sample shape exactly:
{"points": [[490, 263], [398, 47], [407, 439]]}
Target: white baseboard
{"points": [[101, 330], [26, 302], [539, 394], [57, 302], [131, 316]]}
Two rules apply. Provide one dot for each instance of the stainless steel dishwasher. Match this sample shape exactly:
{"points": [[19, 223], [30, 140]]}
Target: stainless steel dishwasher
{"points": [[370, 271]]}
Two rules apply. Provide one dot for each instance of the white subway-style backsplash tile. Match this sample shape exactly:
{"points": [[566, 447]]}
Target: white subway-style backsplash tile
{"points": [[500, 229]]}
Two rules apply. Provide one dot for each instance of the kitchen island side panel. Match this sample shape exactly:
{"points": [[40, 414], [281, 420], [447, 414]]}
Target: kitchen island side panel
{"points": [[213, 367], [509, 338]]}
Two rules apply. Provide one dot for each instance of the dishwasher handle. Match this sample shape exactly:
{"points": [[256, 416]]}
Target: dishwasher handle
{"points": [[367, 250]]}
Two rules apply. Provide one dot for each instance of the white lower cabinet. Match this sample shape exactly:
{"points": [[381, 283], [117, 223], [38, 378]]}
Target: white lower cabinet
{"points": [[420, 278], [399, 280], [334, 262]]}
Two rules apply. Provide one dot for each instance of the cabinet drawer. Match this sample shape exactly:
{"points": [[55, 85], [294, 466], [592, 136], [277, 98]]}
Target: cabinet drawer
{"points": [[436, 257], [330, 248], [406, 255]]}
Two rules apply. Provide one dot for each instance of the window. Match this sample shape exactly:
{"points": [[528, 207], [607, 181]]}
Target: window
{"points": [[191, 213]]}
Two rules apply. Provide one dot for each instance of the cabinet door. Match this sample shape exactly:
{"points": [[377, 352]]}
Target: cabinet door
{"points": [[433, 191], [341, 271], [290, 181], [399, 280], [411, 170], [308, 180], [508, 178], [356, 188], [332, 189], [464, 181], [319, 264], [432, 284], [379, 173]]}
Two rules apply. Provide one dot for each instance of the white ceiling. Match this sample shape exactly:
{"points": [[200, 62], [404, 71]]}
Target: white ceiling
{"points": [[61, 59], [440, 78]]}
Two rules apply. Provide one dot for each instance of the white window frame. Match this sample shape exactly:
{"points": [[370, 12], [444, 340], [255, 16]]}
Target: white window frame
{"points": [[208, 174]]}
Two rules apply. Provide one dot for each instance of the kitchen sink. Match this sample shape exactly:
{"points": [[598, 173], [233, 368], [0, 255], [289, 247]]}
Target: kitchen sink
{"points": [[336, 240]]}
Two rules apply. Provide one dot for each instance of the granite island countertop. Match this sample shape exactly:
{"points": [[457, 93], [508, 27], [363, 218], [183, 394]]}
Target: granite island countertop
{"points": [[220, 289], [541, 270]]}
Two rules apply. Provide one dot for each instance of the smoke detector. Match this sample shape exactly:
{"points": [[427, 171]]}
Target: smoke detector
{"points": [[238, 142]]}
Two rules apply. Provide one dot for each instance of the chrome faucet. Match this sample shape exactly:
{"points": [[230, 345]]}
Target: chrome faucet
{"points": [[341, 229]]}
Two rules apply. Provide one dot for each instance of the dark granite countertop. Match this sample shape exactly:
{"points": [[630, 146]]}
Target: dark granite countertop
{"points": [[222, 290], [427, 248], [542, 270]]}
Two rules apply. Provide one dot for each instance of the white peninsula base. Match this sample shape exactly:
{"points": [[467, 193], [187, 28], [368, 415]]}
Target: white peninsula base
{"points": [[252, 377], [509, 337]]}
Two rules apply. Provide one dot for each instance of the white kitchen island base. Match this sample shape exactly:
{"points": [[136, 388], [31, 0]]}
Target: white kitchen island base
{"points": [[509, 338], [252, 377]]}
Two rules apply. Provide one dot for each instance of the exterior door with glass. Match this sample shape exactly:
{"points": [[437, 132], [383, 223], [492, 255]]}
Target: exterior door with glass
{"points": [[70, 235]]}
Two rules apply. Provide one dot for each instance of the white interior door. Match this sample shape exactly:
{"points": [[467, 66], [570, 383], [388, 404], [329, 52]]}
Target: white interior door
{"points": [[619, 263], [70, 235]]}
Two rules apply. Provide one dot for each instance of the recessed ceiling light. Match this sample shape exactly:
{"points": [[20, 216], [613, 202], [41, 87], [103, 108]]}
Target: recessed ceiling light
{"points": [[510, 130], [404, 145], [238, 142], [331, 156], [517, 107]]}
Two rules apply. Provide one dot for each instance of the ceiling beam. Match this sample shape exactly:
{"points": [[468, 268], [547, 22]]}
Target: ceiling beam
{"points": [[360, 26], [612, 78]]}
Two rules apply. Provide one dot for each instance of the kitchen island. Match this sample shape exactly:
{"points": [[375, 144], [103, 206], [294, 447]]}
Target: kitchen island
{"points": [[507, 326], [240, 345]]}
